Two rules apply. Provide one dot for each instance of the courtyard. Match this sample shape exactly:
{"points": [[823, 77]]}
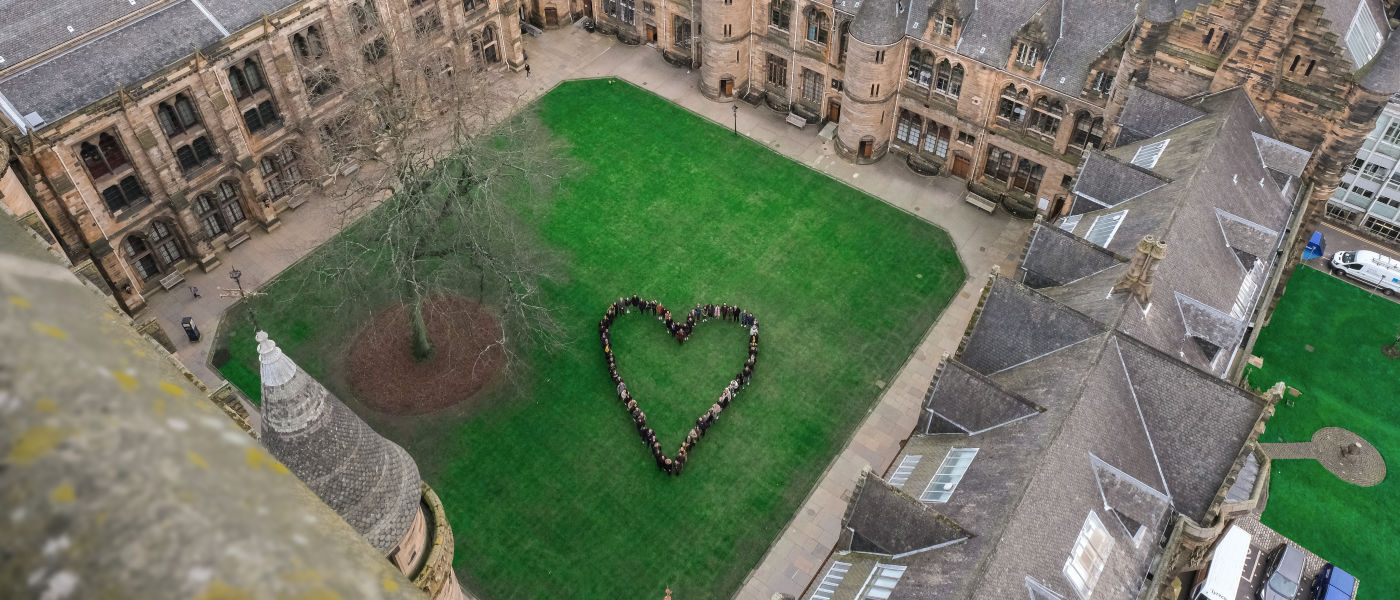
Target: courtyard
{"points": [[1325, 339], [545, 483]]}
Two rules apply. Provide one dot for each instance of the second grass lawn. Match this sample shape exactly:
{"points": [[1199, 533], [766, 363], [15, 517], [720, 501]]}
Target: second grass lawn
{"points": [[1325, 340], [549, 490]]}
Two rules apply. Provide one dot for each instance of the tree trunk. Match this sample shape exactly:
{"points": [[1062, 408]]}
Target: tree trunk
{"points": [[422, 348]]}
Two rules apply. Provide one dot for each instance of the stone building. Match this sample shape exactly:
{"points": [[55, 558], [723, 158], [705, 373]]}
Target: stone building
{"points": [[1368, 197], [1083, 441], [153, 135], [1011, 95], [369, 481]]}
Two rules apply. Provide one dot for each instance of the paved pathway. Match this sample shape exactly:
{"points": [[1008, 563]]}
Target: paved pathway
{"points": [[982, 241], [1365, 467]]}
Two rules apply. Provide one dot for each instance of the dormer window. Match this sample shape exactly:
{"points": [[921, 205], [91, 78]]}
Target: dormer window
{"points": [[943, 25], [1103, 82], [1027, 54]]}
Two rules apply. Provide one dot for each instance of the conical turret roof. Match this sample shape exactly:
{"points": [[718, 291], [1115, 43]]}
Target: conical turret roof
{"points": [[880, 22], [371, 482], [1159, 11], [1382, 74]]}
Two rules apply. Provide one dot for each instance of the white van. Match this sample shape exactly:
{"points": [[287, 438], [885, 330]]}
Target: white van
{"points": [[1380, 271], [1222, 576]]}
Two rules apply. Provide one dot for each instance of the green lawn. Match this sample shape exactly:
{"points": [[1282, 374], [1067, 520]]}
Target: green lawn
{"points": [[549, 490], [1345, 382]]}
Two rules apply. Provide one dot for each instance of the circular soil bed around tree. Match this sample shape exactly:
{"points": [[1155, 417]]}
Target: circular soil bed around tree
{"points": [[466, 357]]}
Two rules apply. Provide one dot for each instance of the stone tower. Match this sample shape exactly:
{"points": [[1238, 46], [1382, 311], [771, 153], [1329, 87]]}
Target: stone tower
{"points": [[725, 48], [1154, 22], [369, 481], [874, 59]]}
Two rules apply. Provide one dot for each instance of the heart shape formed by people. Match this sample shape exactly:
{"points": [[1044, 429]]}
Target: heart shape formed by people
{"points": [[680, 330]]}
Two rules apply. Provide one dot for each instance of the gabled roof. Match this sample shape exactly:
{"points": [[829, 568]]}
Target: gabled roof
{"points": [[1209, 324], [1107, 181], [1149, 114], [886, 521], [1056, 257], [1281, 157], [1134, 503], [1219, 212], [1027, 326], [974, 404]]}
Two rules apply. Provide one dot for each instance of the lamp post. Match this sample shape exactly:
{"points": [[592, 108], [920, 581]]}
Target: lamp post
{"points": [[736, 118], [237, 277]]}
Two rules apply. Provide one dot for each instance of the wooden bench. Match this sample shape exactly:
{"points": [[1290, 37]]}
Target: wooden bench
{"points": [[170, 281], [296, 200], [796, 120], [238, 238], [980, 202]]}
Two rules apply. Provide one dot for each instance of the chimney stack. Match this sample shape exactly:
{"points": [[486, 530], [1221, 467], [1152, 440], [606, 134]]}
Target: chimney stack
{"points": [[1138, 279]]}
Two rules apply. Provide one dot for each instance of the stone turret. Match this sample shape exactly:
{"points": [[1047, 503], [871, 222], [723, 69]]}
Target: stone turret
{"points": [[369, 481], [874, 58], [725, 48], [1156, 17]]}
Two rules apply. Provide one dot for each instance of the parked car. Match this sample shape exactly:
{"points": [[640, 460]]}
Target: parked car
{"points": [[1380, 271], [1283, 570], [1333, 584], [1221, 577]]}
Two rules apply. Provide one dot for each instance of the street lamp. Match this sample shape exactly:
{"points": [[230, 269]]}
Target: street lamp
{"points": [[736, 118], [237, 277]]}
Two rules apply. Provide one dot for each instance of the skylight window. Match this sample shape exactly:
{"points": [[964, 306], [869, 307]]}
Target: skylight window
{"points": [[905, 469], [949, 474], [882, 581], [1090, 554], [1101, 232], [1147, 155], [1363, 36], [1070, 222]]}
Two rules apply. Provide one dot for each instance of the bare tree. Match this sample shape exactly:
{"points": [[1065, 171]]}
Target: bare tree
{"points": [[427, 139]]}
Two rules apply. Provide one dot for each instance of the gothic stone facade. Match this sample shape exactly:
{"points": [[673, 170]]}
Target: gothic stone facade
{"points": [[162, 175], [1010, 98]]}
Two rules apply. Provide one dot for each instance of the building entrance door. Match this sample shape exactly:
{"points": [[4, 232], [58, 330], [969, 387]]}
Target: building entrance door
{"points": [[833, 111], [651, 34], [551, 17], [867, 148], [726, 87], [961, 166]]}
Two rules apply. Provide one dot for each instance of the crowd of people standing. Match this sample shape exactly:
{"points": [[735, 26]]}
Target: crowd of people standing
{"points": [[680, 330]]}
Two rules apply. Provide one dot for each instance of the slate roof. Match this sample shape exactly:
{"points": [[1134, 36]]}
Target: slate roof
{"points": [[1148, 114], [1285, 158], [885, 521], [972, 403], [1107, 181], [1056, 257], [369, 481], [1122, 431], [1219, 212], [1028, 326], [164, 32], [880, 22]]}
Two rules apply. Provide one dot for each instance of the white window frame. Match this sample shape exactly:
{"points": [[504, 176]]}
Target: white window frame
{"points": [[1121, 216], [1092, 535], [881, 582], [1070, 222], [1363, 39], [951, 470], [1249, 289], [1147, 154]]}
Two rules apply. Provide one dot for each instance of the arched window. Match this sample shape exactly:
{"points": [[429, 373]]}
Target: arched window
{"points": [[949, 80], [102, 156], [280, 171], [999, 164], [921, 67], [1088, 132], [163, 240], [1311, 64], [937, 138], [245, 79], [219, 210], [910, 128], [309, 45], [489, 47], [1205, 41], [139, 256], [780, 14], [1028, 176], [817, 25], [177, 115], [1047, 116], [1012, 107], [1296, 59], [127, 192], [470, 5]]}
